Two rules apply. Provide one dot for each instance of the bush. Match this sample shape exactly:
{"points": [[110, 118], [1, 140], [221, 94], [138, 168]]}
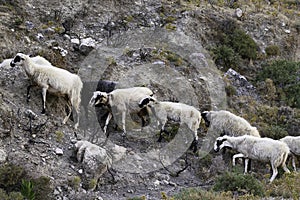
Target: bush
{"points": [[27, 190], [226, 57], [286, 76], [198, 193], [11, 177], [42, 188], [273, 50], [235, 182], [243, 44], [286, 187]]}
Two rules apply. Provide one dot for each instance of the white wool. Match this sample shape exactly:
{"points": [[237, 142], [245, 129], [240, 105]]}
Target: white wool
{"points": [[262, 149], [293, 143], [122, 101], [53, 79]]}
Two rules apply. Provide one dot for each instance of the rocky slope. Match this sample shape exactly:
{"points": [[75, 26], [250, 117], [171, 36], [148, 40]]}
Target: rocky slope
{"points": [[159, 44]]}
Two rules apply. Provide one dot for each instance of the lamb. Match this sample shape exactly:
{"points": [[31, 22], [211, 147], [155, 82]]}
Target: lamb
{"points": [[121, 101], [263, 149], [164, 110], [293, 143], [52, 79]]}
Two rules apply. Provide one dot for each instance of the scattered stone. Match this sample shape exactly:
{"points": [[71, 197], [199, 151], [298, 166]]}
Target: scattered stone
{"points": [[87, 45], [239, 13], [59, 151], [3, 156]]}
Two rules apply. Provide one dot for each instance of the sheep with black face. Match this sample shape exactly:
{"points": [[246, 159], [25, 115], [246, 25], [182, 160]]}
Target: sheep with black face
{"points": [[262, 149], [52, 79], [122, 101]]}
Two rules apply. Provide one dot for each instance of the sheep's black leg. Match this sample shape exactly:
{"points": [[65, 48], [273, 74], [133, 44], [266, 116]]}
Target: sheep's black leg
{"points": [[160, 135], [28, 91], [194, 145]]}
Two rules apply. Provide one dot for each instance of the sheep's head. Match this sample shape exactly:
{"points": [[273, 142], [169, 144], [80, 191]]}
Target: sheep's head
{"points": [[99, 99], [146, 101], [206, 116], [221, 142], [18, 59]]}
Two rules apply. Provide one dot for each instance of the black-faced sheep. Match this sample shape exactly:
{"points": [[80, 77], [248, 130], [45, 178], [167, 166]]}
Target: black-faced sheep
{"points": [[52, 79], [293, 143], [121, 101], [165, 110], [262, 149]]}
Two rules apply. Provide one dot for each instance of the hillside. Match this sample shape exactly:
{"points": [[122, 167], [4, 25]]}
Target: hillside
{"points": [[243, 57]]}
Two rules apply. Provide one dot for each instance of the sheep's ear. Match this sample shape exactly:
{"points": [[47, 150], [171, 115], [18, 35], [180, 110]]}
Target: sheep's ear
{"points": [[30, 55]]}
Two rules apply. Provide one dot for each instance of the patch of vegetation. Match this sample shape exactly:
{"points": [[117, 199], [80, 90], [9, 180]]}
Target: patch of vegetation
{"points": [[27, 189], [138, 198], [75, 182], [59, 136], [42, 188], [198, 193], [92, 184], [273, 50], [226, 57], [11, 177], [236, 182], [286, 187], [170, 26], [272, 131], [286, 76]]}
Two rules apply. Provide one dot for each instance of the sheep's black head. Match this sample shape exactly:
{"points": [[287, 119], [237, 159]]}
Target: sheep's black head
{"points": [[18, 60], [145, 101], [219, 143], [99, 99], [205, 116]]}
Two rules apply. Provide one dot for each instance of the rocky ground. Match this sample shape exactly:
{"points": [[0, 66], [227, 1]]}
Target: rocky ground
{"points": [[159, 44]]}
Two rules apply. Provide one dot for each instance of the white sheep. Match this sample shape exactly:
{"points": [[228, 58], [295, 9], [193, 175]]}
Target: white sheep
{"points": [[293, 143], [165, 110], [121, 101], [37, 59], [52, 79], [262, 149], [226, 123]]}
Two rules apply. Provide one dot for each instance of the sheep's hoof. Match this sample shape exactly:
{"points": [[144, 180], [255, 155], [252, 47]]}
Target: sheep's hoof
{"points": [[43, 112]]}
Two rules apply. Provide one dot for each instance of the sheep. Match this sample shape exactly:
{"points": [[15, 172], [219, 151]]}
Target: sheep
{"points": [[121, 101], [52, 79], [37, 59], [263, 149], [293, 143], [165, 110], [225, 122], [88, 88], [228, 123]]}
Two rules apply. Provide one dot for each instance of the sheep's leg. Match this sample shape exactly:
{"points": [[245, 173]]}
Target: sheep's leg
{"points": [[123, 124], [44, 92], [239, 155], [109, 116], [294, 163], [246, 165], [68, 116], [28, 91], [275, 172], [285, 168], [162, 129]]}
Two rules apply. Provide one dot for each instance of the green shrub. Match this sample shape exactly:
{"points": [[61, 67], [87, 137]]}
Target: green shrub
{"points": [[243, 44], [275, 132], [285, 187], [272, 50], [226, 57], [198, 193], [285, 75], [15, 196], [42, 188], [11, 177], [236, 182], [27, 190]]}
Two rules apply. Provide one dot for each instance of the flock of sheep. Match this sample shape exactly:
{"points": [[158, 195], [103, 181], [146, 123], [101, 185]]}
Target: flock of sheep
{"points": [[235, 132]]}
